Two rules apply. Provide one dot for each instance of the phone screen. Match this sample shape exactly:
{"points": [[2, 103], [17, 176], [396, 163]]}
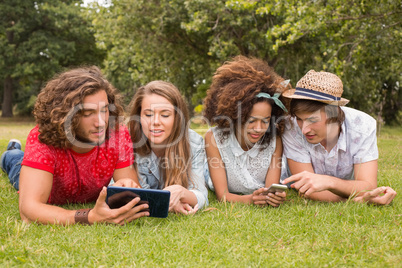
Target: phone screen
{"points": [[277, 188]]}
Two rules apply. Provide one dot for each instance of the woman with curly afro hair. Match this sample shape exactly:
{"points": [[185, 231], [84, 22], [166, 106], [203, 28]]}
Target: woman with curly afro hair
{"points": [[244, 148]]}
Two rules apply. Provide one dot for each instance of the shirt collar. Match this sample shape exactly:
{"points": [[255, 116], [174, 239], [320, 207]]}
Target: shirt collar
{"points": [[238, 151]]}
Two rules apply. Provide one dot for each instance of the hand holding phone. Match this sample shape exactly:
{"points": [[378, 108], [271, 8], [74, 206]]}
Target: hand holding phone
{"points": [[263, 198], [277, 188]]}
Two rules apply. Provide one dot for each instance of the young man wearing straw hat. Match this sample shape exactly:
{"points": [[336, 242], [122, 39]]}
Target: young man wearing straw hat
{"points": [[331, 150]]}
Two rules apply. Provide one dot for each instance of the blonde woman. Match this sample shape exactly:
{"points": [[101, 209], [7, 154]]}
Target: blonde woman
{"points": [[168, 154]]}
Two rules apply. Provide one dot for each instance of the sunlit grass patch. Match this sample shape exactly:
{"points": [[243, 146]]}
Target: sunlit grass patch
{"points": [[300, 233]]}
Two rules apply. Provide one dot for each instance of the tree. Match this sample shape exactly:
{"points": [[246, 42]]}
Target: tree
{"points": [[179, 41], [184, 41], [145, 42], [360, 41], [39, 38]]}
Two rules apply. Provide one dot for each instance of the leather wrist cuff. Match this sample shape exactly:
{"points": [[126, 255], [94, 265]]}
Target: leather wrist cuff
{"points": [[81, 216]]}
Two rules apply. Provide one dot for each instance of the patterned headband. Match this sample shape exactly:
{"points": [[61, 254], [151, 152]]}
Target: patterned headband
{"points": [[275, 98]]}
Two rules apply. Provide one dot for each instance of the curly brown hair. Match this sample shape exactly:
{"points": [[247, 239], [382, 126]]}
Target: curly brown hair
{"points": [[62, 94], [233, 92]]}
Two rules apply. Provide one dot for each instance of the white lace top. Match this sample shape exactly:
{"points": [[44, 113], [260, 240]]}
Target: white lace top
{"points": [[245, 170]]}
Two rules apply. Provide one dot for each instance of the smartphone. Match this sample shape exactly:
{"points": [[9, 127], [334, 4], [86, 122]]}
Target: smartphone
{"points": [[158, 200], [277, 188]]}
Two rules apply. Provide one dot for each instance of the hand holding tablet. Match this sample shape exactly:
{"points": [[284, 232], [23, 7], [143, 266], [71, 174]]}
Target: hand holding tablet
{"points": [[158, 200], [122, 198]]}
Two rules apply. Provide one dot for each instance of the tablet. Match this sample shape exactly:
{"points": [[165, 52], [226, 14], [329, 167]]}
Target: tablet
{"points": [[158, 199]]}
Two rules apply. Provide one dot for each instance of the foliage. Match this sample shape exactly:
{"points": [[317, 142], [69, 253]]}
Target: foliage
{"points": [[37, 39], [298, 234], [184, 41], [145, 41], [358, 40]]}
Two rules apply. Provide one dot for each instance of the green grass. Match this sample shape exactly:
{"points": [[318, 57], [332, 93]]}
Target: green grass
{"points": [[300, 233]]}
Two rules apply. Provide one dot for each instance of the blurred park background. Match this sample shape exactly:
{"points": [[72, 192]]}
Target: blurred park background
{"points": [[184, 41]]}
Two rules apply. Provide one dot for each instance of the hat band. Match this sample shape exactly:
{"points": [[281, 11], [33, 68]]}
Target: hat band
{"points": [[315, 94]]}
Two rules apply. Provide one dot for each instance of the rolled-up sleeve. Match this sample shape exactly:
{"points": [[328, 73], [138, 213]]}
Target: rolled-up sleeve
{"points": [[365, 142], [199, 169]]}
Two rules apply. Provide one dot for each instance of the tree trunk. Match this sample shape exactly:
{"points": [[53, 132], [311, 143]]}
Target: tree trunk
{"points": [[7, 107]]}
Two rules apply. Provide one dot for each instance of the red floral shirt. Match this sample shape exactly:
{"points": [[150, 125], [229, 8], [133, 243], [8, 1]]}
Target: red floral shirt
{"points": [[79, 178]]}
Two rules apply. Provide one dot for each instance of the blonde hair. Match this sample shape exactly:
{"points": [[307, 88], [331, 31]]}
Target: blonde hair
{"points": [[173, 166]]}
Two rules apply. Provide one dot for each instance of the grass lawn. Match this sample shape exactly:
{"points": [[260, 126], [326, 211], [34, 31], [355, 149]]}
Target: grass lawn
{"points": [[299, 233]]}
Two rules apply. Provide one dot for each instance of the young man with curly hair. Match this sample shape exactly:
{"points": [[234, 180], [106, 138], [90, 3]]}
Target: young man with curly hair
{"points": [[74, 151], [331, 150]]}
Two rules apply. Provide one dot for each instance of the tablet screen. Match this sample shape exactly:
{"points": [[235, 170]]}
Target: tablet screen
{"points": [[158, 199]]}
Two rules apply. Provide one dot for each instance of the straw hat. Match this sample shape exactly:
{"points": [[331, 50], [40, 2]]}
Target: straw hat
{"points": [[318, 86]]}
